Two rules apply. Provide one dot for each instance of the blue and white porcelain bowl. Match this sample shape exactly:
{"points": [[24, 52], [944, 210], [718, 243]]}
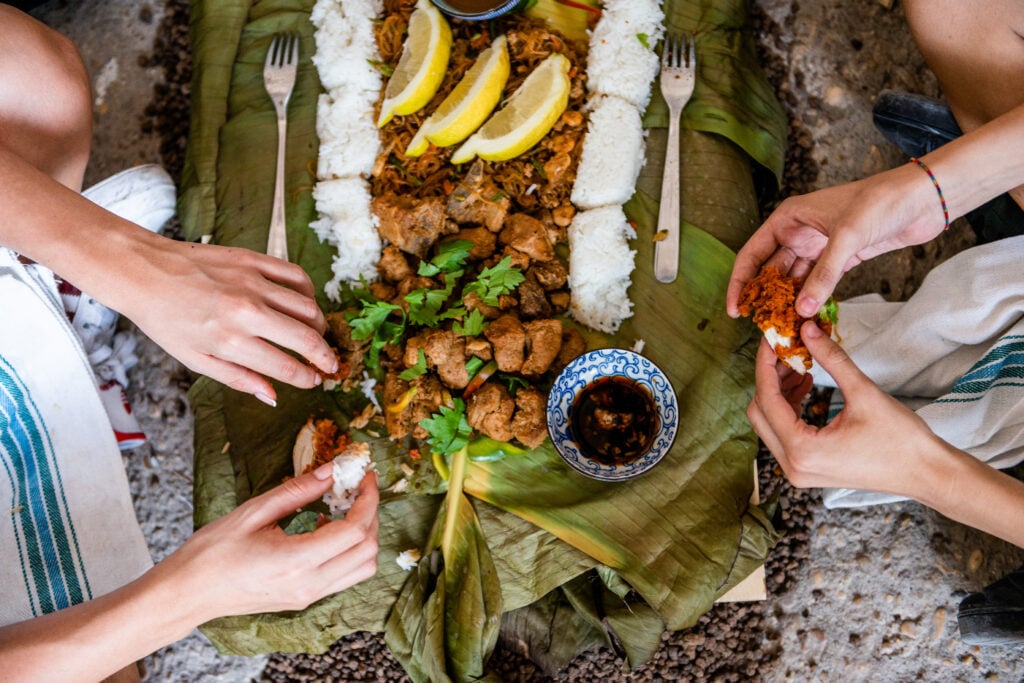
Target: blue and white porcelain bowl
{"points": [[477, 10], [578, 375]]}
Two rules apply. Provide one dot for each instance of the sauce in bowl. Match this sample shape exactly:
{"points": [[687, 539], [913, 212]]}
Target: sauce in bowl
{"points": [[476, 10], [614, 420]]}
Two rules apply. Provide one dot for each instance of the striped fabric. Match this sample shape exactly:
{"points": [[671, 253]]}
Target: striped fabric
{"points": [[50, 558], [68, 530], [953, 353]]}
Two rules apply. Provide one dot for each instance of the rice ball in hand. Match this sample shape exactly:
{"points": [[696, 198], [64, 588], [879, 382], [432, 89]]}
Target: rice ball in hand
{"points": [[350, 466]]}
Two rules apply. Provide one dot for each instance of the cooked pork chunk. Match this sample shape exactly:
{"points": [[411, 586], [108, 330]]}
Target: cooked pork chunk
{"points": [[478, 200], [490, 410], [397, 410], [413, 225], [527, 234], [530, 424], [484, 242], [532, 301], [543, 340], [573, 345], [508, 338], [393, 266], [445, 352], [550, 274]]}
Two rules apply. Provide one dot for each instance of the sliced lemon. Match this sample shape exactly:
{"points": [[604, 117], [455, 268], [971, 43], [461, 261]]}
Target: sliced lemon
{"points": [[469, 104], [422, 65], [527, 117]]}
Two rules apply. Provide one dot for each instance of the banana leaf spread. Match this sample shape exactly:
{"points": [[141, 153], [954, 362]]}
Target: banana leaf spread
{"points": [[508, 534]]}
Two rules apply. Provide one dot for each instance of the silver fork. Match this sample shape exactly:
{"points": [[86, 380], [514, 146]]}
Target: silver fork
{"points": [[678, 74], [279, 80]]}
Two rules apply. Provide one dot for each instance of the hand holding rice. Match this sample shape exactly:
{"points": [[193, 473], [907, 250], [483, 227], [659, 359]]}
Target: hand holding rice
{"points": [[350, 466]]}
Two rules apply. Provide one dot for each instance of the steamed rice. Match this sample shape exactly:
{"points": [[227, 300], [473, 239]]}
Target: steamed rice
{"points": [[350, 466], [349, 144], [621, 65], [600, 265], [621, 60], [613, 154]]}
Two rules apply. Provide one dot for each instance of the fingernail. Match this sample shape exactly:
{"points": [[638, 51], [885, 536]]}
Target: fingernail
{"points": [[335, 366], [317, 380], [807, 307], [811, 330], [265, 399], [325, 471]]}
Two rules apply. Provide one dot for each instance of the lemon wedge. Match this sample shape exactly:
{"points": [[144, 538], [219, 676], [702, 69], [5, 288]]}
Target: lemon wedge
{"points": [[526, 118], [422, 65], [469, 104]]}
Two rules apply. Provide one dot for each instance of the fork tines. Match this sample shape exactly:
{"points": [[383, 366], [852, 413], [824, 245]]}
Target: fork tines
{"points": [[283, 49], [678, 51]]}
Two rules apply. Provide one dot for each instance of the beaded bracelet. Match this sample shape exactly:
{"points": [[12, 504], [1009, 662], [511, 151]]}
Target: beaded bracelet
{"points": [[935, 182]]}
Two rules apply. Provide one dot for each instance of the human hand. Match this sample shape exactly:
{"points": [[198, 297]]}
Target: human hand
{"points": [[245, 563], [830, 231], [875, 443], [228, 313]]}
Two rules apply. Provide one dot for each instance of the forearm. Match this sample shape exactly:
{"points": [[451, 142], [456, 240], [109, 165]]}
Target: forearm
{"points": [[982, 164], [92, 640], [53, 225], [972, 492]]}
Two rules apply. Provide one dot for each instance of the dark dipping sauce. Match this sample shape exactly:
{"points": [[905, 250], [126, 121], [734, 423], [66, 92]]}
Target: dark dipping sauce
{"points": [[475, 6], [613, 420]]}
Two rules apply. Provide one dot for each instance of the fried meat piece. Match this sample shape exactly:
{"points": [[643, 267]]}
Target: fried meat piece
{"points": [[445, 352], [393, 266], [478, 200], [490, 410], [530, 423], [508, 337], [413, 225], [527, 234], [544, 341]]}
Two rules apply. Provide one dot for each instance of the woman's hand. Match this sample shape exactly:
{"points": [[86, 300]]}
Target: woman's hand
{"points": [[830, 231], [244, 563], [874, 443], [228, 313]]}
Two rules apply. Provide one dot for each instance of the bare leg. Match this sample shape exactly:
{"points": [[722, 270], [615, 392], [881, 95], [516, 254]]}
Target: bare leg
{"points": [[45, 98], [976, 50]]}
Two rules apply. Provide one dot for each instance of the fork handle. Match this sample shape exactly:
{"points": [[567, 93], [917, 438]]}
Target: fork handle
{"points": [[277, 242], [666, 251]]}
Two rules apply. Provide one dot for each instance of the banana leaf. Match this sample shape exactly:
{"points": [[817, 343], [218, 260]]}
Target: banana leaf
{"points": [[659, 549]]}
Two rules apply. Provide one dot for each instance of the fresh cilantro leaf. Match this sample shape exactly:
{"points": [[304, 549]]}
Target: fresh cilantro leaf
{"points": [[449, 429], [425, 304], [513, 382], [366, 323], [453, 313], [495, 281], [372, 323], [642, 37], [471, 325], [451, 256], [418, 369]]}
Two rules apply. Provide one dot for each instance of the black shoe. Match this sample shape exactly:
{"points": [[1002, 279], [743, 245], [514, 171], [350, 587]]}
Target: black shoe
{"points": [[914, 123], [995, 616]]}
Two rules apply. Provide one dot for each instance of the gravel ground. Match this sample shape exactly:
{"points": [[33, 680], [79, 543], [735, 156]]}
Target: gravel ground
{"points": [[859, 595]]}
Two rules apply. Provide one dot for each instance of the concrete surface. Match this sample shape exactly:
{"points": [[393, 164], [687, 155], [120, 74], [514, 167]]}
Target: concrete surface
{"points": [[876, 600]]}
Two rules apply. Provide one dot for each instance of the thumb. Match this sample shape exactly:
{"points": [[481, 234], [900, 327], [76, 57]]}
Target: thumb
{"points": [[824, 277], [832, 358], [281, 500]]}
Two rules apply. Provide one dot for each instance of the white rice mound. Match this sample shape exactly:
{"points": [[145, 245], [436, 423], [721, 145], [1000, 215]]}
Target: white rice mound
{"points": [[613, 154], [350, 466], [600, 265], [349, 143], [348, 223], [621, 60], [620, 69]]}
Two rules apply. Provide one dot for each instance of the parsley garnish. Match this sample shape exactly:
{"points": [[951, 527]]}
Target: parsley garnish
{"points": [[451, 256], [449, 429], [419, 368], [372, 323], [425, 304], [471, 325], [642, 37], [495, 281]]}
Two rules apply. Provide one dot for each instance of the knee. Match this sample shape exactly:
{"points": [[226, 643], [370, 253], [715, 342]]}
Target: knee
{"points": [[44, 85]]}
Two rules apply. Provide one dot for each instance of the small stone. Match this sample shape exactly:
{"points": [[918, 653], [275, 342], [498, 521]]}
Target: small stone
{"points": [[819, 579], [818, 633], [938, 623], [909, 629], [975, 560]]}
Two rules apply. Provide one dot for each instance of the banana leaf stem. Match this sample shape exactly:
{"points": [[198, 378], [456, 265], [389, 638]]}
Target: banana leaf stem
{"points": [[453, 498]]}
